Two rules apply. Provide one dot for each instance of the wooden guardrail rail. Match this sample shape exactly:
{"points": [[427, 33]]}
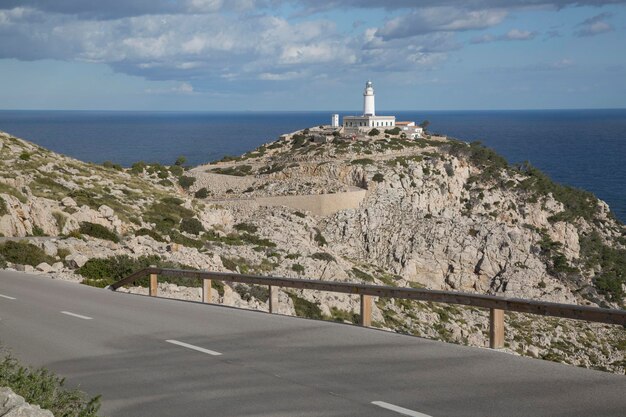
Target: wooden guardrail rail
{"points": [[496, 305]]}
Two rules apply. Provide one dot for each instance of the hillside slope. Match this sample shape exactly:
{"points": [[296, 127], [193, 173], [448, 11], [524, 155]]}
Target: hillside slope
{"points": [[437, 213]]}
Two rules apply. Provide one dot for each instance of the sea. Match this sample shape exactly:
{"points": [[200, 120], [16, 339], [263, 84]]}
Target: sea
{"points": [[580, 148]]}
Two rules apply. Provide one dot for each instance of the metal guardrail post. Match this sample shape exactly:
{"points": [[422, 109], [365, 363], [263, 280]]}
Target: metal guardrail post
{"points": [[496, 328], [366, 310], [273, 299], [206, 290]]}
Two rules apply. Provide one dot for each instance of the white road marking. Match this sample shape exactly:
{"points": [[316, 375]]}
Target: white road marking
{"points": [[7, 297], [76, 315], [198, 348], [399, 410]]}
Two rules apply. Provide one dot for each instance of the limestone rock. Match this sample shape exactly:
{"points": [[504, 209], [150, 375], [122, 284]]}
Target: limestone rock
{"points": [[44, 267], [106, 211], [68, 202], [13, 405], [76, 260]]}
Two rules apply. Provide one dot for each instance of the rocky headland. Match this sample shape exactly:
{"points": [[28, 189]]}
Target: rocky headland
{"points": [[429, 213]]}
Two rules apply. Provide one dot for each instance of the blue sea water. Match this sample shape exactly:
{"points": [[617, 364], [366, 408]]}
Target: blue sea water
{"points": [[582, 148]]}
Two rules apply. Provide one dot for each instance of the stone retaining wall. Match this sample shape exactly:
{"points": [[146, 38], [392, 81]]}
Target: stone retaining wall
{"points": [[317, 204]]}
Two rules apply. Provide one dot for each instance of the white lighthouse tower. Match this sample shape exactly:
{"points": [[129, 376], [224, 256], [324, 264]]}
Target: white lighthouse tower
{"points": [[368, 119], [369, 108]]}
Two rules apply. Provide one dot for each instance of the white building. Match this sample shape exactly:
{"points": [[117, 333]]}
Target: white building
{"points": [[334, 121], [410, 129], [369, 119]]}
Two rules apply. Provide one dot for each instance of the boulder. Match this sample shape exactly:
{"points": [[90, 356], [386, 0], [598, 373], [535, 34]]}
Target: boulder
{"points": [[57, 266], [13, 405], [50, 248], [76, 260], [44, 267], [106, 211], [68, 202], [24, 268]]}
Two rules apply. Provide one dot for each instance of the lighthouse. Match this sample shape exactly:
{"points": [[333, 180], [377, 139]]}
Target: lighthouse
{"points": [[369, 108], [368, 119]]}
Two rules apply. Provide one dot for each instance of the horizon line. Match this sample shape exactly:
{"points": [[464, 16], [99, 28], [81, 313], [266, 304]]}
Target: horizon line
{"points": [[311, 111]]}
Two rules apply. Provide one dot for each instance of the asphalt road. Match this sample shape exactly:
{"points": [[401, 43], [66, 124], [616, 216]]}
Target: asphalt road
{"points": [[159, 357]]}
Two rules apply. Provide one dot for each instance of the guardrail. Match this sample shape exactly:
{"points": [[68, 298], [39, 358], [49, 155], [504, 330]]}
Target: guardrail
{"points": [[496, 305]]}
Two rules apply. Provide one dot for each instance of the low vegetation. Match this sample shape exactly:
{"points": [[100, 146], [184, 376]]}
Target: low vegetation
{"points": [[98, 231], [24, 253], [100, 272], [43, 388]]}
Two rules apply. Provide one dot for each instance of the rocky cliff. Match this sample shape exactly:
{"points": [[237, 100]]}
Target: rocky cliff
{"points": [[438, 213]]}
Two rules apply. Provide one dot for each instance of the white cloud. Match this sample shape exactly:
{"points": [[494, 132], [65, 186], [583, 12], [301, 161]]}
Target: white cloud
{"points": [[595, 25], [511, 35], [439, 19], [182, 88]]}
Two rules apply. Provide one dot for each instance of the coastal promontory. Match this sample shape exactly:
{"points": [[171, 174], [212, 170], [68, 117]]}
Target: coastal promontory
{"points": [[431, 212]]}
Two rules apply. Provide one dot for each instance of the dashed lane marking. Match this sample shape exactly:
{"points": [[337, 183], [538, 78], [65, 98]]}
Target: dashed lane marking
{"points": [[198, 348], [80, 316], [7, 297], [399, 410]]}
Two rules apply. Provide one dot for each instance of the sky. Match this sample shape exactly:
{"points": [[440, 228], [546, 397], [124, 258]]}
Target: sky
{"points": [[225, 55]]}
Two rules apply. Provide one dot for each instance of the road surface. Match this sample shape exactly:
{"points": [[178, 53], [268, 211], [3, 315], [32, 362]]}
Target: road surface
{"points": [[159, 357]]}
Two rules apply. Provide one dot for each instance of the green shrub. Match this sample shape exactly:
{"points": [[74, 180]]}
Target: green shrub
{"points": [[148, 232], [38, 231], [576, 202], [62, 253], [246, 227], [305, 308], [293, 256], [172, 201], [374, 132], [234, 263], [300, 214], [166, 214], [363, 276], [176, 170], [202, 193], [98, 231], [25, 156], [191, 225], [246, 292], [138, 167], [3, 207], [180, 161], [270, 169], [111, 165], [612, 262], [41, 387], [319, 238], [237, 171], [323, 256], [3, 262], [297, 268], [362, 161], [255, 240], [181, 239], [100, 272], [378, 177], [186, 182], [24, 253], [395, 131]]}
